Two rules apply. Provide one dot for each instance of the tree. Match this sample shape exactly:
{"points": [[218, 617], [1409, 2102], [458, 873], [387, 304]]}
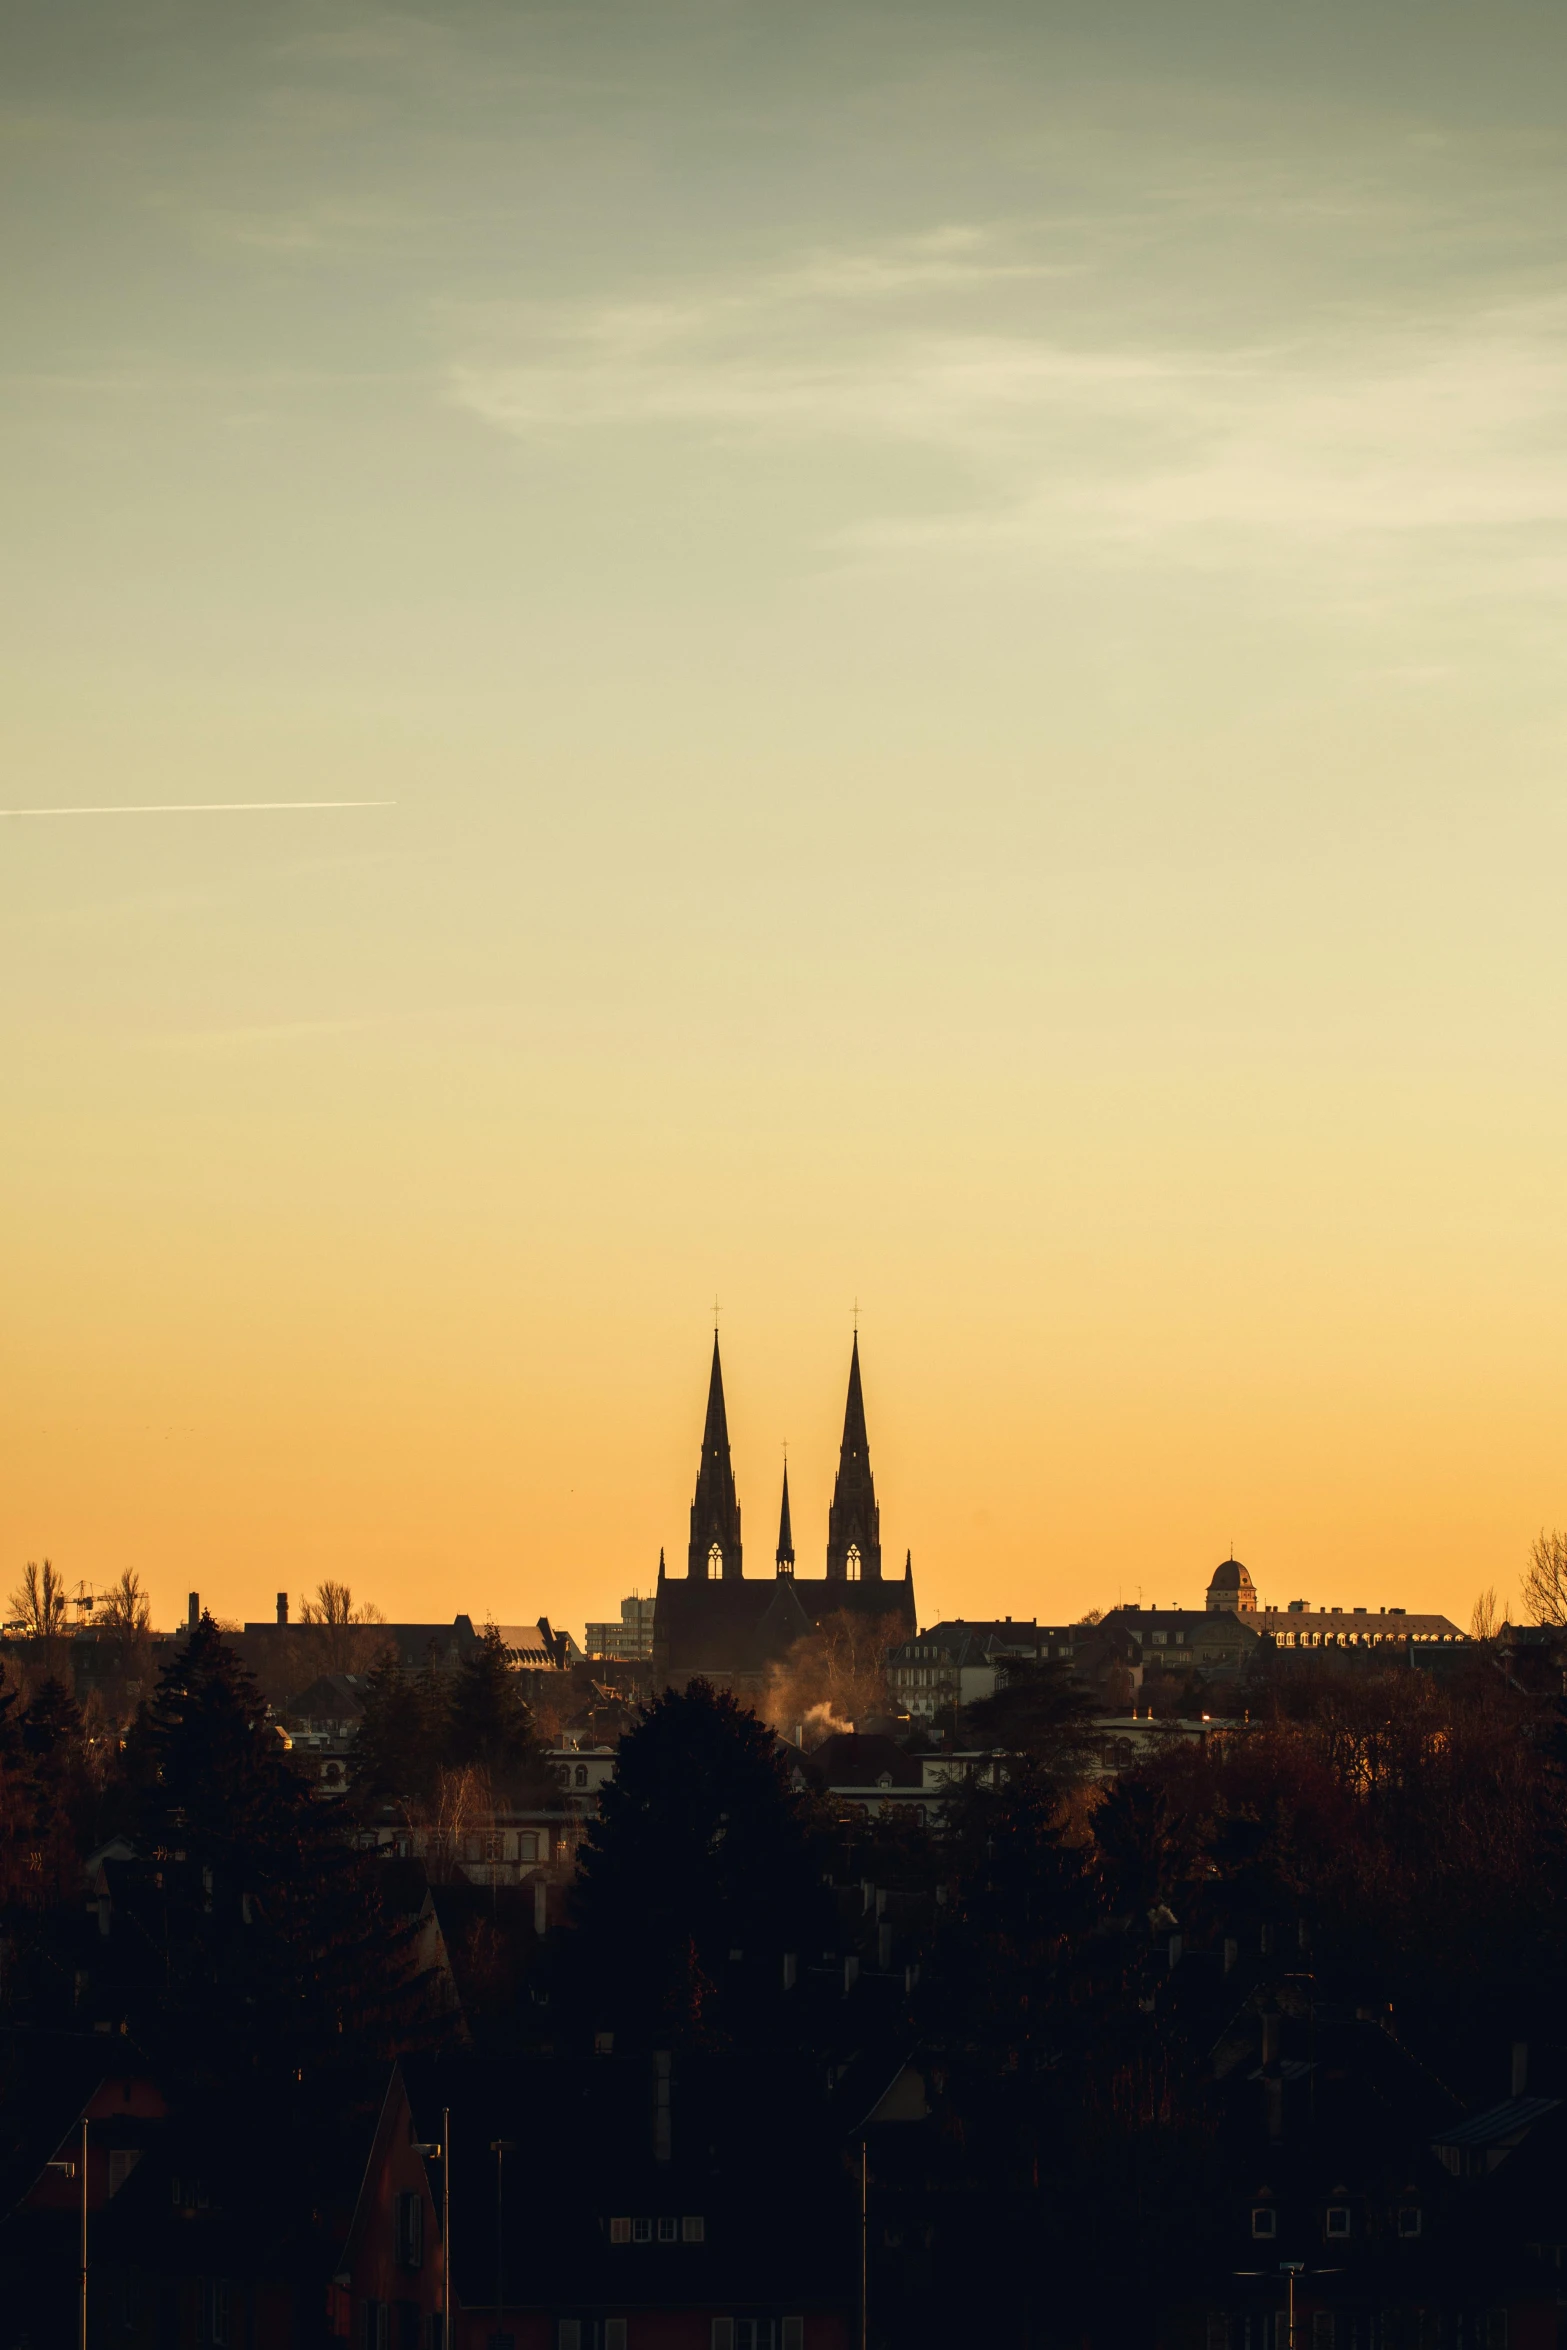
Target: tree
{"points": [[280, 1949], [38, 1602], [401, 1734], [701, 1849], [1545, 1578], [126, 1609], [1040, 1710], [333, 1612], [488, 1726], [839, 1670], [1485, 1615], [52, 1722]]}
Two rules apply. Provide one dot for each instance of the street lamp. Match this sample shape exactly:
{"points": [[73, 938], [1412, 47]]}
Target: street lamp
{"points": [[1292, 2269], [71, 2170], [500, 2148], [441, 2153]]}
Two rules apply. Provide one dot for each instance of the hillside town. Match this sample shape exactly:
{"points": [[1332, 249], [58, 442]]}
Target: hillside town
{"points": [[763, 1968]]}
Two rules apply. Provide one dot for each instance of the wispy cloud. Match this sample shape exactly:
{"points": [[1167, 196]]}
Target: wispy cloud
{"points": [[1353, 426]]}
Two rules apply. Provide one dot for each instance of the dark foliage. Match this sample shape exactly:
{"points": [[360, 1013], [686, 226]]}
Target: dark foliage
{"points": [[701, 1850]]}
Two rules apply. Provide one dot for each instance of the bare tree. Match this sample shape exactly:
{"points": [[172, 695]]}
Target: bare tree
{"points": [[38, 1602], [1545, 1578], [837, 1674], [333, 1611], [126, 1610], [334, 1604]]}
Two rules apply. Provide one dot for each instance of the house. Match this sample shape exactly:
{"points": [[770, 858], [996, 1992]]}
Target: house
{"points": [[595, 2203], [952, 1664]]}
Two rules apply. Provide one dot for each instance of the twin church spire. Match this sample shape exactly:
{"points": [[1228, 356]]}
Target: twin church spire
{"points": [[853, 1522]]}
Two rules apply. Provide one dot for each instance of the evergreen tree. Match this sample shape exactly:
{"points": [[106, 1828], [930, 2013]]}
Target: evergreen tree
{"points": [[701, 1847], [52, 1725], [489, 1727], [398, 1745], [279, 1950]]}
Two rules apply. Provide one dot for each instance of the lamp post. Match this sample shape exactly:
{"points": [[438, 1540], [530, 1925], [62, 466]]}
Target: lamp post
{"points": [[500, 2148], [1292, 2269], [438, 2151], [72, 2170]]}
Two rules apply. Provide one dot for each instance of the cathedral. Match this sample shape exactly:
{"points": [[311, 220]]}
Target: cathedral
{"points": [[715, 1624]]}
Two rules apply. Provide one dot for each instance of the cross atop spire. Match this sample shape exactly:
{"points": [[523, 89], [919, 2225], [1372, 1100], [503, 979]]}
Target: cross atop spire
{"points": [[715, 1510]]}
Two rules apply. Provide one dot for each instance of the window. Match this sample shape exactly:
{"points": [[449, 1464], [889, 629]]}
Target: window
{"points": [[723, 2333], [218, 2310], [122, 2161], [1496, 2329], [851, 1564], [568, 2334], [614, 2333], [375, 2326], [1264, 2220], [693, 2231], [620, 2231], [410, 2231], [1338, 2219], [668, 2231], [642, 2231], [1409, 2220], [715, 1560], [794, 2333], [1322, 2330], [528, 1845], [582, 1774], [495, 1847]]}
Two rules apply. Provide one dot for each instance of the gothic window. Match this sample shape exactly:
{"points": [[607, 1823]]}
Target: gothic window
{"points": [[715, 1560], [851, 1565]]}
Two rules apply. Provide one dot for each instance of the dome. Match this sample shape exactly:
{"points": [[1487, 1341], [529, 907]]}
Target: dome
{"points": [[1231, 1587]]}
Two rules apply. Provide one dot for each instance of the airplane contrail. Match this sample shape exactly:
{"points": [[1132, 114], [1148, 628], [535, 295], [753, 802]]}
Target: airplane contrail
{"points": [[199, 808]]}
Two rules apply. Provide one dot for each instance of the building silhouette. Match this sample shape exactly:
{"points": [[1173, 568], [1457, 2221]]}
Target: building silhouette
{"points": [[716, 1624]]}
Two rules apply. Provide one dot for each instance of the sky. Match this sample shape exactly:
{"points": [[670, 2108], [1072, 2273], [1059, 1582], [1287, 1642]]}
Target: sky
{"points": [[960, 608]]}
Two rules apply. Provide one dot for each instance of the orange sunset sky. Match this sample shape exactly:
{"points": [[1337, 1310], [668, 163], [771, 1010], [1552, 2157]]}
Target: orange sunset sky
{"points": [[960, 610]]}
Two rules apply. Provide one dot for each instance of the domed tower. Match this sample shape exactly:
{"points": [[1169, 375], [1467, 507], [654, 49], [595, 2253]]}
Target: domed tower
{"points": [[1232, 1591]]}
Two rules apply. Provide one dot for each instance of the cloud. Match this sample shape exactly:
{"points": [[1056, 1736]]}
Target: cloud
{"points": [[1354, 427]]}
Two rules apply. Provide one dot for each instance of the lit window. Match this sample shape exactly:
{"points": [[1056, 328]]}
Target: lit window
{"points": [[1264, 2220], [614, 2333], [620, 2231], [693, 2231], [1338, 2219], [851, 1565], [794, 2333]]}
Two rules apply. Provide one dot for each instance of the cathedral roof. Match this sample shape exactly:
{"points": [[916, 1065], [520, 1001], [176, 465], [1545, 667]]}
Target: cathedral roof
{"points": [[1231, 1576]]}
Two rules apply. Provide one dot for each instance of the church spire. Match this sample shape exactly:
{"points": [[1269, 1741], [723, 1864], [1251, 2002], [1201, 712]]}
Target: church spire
{"points": [[854, 1521], [785, 1534], [715, 1511]]}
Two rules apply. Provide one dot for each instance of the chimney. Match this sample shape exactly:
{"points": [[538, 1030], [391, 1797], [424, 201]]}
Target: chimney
{"points": [[193, 1611], [662, 2132], [282, 1611], [1520, 2068]]}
